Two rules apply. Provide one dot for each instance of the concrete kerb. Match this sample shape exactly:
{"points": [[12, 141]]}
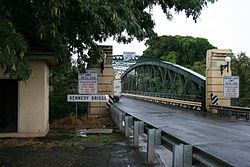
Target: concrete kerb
{"points": [[154, 139], [115, 115], [128, 125], [141, 127], [121, 121], [112, 113], [136, 134], [138, 129], [151, 146], [157, 137], [182, 156]]}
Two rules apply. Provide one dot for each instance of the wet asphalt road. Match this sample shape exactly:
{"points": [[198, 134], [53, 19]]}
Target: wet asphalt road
{"points": [[226, 138]]}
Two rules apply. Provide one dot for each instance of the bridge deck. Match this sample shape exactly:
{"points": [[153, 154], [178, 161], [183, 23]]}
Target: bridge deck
{"points": [[225, 138]]}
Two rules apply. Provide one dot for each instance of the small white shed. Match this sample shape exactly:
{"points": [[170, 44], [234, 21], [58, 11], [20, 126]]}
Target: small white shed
{"points": [[24, 105]]}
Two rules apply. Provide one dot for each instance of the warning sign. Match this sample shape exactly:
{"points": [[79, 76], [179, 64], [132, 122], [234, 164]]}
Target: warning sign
{"points": [[87, 82], [88, 75], [231, 86], [87, 87]]}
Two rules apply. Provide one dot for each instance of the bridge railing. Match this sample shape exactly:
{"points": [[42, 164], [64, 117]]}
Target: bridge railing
{"points": [[186, 104], [184, 154], [196, 98], [242, 102], [232, 110]]}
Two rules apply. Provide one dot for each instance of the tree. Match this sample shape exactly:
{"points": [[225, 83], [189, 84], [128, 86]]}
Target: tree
{"points": [[63, 81], [67, 26], [240, 65], [170, 57], [183, 50], [199, 67]]}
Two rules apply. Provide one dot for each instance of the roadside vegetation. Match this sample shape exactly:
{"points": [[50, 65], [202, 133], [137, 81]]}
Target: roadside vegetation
{"points": [[68, 26], [240, 65], [186, 51]]}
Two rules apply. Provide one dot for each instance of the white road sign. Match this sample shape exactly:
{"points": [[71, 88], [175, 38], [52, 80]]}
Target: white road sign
{"points": [[231, 86], [128, 55], [87, 82], [88, 75], [87, 98], [87, 87]]}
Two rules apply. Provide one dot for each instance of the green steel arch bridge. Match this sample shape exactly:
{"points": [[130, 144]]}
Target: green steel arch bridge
{"points": [[165, 80]]}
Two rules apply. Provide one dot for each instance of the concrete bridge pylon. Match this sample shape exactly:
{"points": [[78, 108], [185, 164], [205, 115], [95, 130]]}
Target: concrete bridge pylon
{"points": [[215, 76], [105, 81]]}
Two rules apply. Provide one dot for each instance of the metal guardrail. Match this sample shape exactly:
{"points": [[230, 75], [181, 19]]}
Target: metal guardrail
{"points": [[232, 110], [184, 154], [170, 102]]}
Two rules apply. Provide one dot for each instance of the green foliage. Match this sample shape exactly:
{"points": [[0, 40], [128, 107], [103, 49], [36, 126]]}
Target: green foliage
{"points": [[170, 57], [240, 65], [182, 50], [63, 81], [12, 50], [67, 26], [199, 67], [103, 138]]}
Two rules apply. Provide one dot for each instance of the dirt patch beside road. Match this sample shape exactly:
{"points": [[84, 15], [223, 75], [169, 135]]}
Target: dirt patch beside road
{"points": [[84, 122], [61, 147]]}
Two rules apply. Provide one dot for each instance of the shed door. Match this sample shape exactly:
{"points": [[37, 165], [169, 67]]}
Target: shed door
{"points": [[8, 105]]}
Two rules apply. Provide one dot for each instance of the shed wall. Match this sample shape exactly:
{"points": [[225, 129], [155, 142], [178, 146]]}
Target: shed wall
{"points": [[34, 100]]}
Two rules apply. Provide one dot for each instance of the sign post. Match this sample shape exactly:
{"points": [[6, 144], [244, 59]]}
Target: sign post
{"points": [[87, 84], [76, 110], [231, 86], [87, 98]]}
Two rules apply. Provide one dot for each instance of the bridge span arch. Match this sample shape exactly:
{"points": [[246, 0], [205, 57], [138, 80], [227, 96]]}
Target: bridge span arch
{"points": [[164, 79]]}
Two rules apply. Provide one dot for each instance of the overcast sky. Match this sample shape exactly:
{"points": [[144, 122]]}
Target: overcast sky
{"points": [[226, 25]]}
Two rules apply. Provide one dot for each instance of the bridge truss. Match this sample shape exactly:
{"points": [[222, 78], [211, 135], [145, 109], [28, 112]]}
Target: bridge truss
{"points": [[164, 79]]}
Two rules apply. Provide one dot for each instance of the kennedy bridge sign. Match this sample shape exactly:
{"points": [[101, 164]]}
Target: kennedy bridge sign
{"points": [[87, 98]]}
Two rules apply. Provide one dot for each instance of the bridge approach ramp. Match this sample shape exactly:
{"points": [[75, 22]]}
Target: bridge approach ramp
{"points": [[225, 138]]}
